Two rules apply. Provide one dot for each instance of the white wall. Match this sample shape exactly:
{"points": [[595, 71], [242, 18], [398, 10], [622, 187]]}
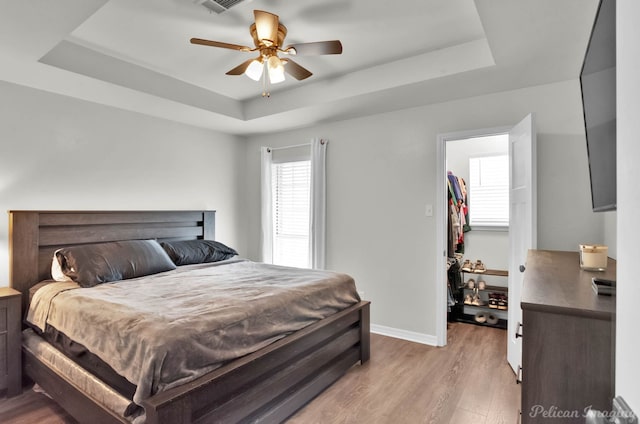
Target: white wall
{"points": [[628, 233], [62, 153], [490, 246], [382, 172], [610, 239]]}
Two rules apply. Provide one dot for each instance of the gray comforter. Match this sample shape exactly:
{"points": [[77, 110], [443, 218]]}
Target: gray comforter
{"points": [[164, 330]]}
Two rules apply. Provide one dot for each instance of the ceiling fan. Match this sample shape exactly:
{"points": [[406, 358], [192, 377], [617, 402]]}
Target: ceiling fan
{"points": [[268, 37]]}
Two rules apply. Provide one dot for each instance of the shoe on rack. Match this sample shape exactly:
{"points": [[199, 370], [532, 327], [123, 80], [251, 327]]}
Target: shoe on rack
{"points": [[481, 284], [467, 299], [481, 317], [471, 283], [479, 267], [466, 266], [492, 319], [476, 301], [493, 301], [503, 304]]}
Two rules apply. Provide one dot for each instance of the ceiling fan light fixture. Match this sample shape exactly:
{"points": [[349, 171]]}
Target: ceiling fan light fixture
{"points": [[254, 70], [266, 27], [276, 69], [268, 38]]}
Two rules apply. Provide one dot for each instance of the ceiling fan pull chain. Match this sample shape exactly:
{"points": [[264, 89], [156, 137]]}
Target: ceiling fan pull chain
{"points": [[265, 84]]}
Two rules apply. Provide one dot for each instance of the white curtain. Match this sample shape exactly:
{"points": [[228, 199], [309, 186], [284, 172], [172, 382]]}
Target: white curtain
{"points": [[317, 239], [266, 238]]}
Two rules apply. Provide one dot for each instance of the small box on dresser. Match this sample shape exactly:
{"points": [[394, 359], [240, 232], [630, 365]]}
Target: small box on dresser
{"points": [[10, 343]]}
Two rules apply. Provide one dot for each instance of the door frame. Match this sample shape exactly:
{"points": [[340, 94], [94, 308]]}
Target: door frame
{"points": [[441, 222], [522, 237]]}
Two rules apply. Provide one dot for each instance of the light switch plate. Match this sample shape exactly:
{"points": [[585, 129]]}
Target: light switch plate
{"points": [[428, 210]]}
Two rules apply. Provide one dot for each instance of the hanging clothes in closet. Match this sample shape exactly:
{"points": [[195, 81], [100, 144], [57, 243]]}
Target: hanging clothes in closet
{"points": [[458, 213]]}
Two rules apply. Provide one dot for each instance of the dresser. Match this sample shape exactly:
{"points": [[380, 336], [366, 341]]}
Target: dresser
{"points": [[10, 342], [568, 338]]}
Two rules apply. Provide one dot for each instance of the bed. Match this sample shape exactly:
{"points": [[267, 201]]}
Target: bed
{"points": [[267, 385]]}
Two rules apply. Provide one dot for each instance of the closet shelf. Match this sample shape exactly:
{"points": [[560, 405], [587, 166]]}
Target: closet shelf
{"points": [[472, 309], [468, 319], [488, 288], [493, 272]]}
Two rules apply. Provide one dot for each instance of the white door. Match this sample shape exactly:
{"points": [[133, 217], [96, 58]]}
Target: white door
{"points": [[522, 224]]}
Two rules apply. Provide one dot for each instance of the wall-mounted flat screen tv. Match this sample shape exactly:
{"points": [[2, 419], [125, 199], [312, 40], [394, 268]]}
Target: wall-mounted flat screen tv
{"points": [[598, 83]]}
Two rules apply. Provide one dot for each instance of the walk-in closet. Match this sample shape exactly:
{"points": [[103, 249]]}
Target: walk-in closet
{"points": [[478, 230]]}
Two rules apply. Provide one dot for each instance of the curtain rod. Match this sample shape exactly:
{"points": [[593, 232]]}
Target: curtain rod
{"points": [[269, 149]]}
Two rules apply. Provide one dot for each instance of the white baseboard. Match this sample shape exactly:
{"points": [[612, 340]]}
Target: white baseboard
{"points": [[411, 336]]}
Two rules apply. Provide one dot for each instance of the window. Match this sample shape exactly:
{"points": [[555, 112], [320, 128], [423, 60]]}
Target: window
{"points": [[291, 186], [489, 191], [293, 204]]}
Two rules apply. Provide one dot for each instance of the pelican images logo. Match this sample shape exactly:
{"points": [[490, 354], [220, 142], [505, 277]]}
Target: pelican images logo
{"points": [[554, 412]]}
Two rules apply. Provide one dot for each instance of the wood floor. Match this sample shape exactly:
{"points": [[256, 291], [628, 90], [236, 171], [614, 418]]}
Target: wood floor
{"points": [[466, 382]]}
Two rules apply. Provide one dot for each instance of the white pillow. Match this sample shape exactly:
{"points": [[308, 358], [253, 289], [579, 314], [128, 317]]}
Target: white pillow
{"points": [[56, 270]]}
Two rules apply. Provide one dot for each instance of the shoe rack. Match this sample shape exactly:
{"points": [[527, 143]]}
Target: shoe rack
{"points": [[484, 298]]}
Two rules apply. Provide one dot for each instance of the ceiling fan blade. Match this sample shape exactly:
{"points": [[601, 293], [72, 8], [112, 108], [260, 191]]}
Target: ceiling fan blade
{"points": [[220, 44], [317, 48], [239, 70], [296, 71], [266, 26]]}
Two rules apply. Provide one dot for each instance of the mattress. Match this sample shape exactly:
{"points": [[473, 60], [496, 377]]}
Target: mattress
{"points": [[83, 357], [164, 330]]}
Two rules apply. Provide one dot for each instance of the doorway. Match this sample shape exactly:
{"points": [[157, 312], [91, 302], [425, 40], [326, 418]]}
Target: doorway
{"points": [[477, 214], [522, 222]]}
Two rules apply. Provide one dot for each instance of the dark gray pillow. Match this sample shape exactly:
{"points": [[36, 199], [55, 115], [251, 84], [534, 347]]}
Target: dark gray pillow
{"points": [[187, 252], [92, 264]]}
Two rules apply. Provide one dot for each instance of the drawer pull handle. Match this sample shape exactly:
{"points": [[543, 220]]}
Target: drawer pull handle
{"points": [[519, 375], [518, 332]]}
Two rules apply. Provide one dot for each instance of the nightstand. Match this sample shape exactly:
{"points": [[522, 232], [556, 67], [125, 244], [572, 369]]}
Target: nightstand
{"points": [[10, 342]]}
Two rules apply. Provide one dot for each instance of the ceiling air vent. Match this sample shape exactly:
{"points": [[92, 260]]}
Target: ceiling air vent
{"points": [[218, 6]]}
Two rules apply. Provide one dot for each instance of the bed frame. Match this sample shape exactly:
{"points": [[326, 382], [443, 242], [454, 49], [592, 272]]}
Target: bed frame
{"points": [[266, 386]]}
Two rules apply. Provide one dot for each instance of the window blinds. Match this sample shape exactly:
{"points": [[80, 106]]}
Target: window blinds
{"points": [[489, 191], [291, 185]]}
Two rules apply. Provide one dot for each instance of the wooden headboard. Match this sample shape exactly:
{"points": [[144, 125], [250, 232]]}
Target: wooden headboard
{"points": [[35, 235]]}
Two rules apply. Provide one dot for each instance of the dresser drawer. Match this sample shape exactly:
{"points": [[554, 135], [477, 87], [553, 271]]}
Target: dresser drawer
{"points": [[3, 341], [3, 360], [3, 315], [10, 342]]}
